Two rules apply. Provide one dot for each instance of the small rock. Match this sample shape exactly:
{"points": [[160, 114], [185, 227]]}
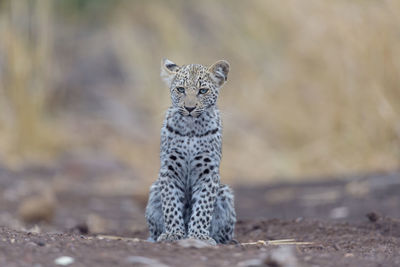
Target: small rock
{"points": [[64, 260], [81, 228], [251, 262], [40, 243], [145, 261], [299, 219], [372, 216], [96, 224], [33, 230], [31, 244], [339, 213], [38, 208], [194, 243], [282, 257]]}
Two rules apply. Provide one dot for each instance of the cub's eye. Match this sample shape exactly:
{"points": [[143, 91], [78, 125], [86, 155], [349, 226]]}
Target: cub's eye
{"points": [[180, 89], [203, 90]]}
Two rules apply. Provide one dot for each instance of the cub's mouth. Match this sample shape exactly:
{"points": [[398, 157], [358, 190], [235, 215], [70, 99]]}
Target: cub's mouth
{"points": [[192, 112]]}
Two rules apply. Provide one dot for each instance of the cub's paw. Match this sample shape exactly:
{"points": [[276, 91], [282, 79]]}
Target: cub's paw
{"points": [[170, 237], [208, 239]]}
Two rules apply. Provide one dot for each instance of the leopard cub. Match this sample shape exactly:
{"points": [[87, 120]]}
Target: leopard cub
{"points": [[188, 200]]}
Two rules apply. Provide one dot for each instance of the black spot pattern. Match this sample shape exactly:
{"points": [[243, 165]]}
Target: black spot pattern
{"points": [[187, 200]]}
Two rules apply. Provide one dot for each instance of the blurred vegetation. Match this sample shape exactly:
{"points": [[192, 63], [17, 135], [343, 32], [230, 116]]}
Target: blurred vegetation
{"points": [[314, 86]]}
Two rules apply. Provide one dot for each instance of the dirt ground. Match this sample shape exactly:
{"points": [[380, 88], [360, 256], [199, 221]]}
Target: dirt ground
{"points": [[97, 221]]}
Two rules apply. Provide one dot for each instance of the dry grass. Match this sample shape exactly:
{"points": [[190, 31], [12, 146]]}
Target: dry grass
{"points": [[313, 90], [25, 63]]}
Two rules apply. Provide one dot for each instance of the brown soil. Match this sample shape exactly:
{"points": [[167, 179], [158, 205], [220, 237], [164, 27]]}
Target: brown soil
{"points": [[338, 223]]}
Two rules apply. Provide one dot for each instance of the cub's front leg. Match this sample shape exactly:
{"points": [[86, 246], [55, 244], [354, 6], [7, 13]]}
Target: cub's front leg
{"points": [[172, 195], [205, 182]]}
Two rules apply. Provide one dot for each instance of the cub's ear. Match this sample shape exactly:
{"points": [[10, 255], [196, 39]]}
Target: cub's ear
{"points": [[219, 71], [168, 71]]}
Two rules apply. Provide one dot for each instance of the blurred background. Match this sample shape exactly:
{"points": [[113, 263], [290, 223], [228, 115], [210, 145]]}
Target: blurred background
{"points": [[313, 91], [314, 87]]}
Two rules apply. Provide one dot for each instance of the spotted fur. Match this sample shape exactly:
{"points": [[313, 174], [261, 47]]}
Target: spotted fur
{"points": [[188, 200]]}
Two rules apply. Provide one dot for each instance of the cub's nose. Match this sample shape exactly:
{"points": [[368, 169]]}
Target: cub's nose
{"points": [[190, 109]]}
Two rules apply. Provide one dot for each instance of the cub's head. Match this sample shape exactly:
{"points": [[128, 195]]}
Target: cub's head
{"points": [[194, 88]]}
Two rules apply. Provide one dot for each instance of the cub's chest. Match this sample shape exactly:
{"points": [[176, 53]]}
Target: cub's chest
{"points": [[192, 144], [191, 135]]}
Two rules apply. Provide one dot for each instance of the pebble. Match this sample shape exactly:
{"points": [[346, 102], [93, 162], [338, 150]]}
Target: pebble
{"points": [[372, 216], [37, 208], [145, 261], [284, 256], [40, 243], [64, 260], [194, 243], [251, 262], [339, 213], [30, 244]]}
